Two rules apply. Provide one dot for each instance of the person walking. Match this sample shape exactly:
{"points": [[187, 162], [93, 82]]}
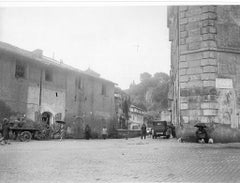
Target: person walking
{"points": [[144, 131], [104, 132], [5, 131], [61, 131], [87, 132]]}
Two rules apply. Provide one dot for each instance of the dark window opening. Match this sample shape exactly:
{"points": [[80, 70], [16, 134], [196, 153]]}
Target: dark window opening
{"points": [[104, 89], [56, 94], [48, 75], [80, 84], [20, 71]]}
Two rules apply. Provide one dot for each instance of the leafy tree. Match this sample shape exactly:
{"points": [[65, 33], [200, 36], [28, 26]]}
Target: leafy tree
{"points": [[151, 93], [145, 77]]}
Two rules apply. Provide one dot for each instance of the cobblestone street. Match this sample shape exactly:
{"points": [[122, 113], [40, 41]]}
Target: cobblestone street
{"points": [[119, 160]]}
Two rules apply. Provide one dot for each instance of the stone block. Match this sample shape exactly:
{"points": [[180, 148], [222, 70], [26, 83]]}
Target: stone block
{"points": [[209, 54], [194, 11], [183, 27], [204, 16], [209, 105], [208, 61], [194, 45], [182, 58], [183, 8], [194, 56], [212, 15], [184, 112], [208, 9], [184, 78], [194, 77], [207, 22], [195, 70], [184, 106], [194, 18], [204, 30], [196, 83], [183, 21], [208, 37], [182, 41], [182, 71], [194, 105], [193, 39], [194, 63], [210, 112], [210, 69], [182, 14], [183, 34], [209, 83], [193, 25], [183, 85], [208, 76], [212, 44], [204, 44], [212, 30], [184, 99], [194, 32], [183, 48], [195, 112]]}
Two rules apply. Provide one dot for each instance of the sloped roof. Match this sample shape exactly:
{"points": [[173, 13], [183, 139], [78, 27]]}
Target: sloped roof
{"points": [[43, 59]]}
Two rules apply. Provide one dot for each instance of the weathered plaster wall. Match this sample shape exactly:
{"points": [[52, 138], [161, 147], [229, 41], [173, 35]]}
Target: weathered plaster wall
{"points": [[12, 91]]}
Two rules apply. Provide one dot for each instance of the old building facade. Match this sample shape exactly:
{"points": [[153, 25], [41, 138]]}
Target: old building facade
{"points": [[205, 69], [44, 89], [136, 117]]}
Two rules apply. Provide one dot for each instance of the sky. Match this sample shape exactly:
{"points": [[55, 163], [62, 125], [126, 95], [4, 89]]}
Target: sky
{"points": [[118, 42]]}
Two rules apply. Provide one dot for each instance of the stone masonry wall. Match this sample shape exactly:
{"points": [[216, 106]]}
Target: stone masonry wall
{"points": [[197, 63], [206, 45]]}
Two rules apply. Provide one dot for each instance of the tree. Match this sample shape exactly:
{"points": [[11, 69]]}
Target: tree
{"points": [[152, 92], [145, 77]]}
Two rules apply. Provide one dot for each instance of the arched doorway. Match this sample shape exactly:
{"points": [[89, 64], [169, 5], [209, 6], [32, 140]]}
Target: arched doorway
{"points": [[47, 118]]}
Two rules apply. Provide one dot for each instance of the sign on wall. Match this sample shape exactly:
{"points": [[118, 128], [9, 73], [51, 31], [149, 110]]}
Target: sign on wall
{"points": [[224, 83]]}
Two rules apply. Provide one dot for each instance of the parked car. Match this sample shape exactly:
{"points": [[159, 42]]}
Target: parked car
{"points": [[160, 128]]}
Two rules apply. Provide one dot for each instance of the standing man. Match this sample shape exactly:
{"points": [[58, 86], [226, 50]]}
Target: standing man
{"points": [[5, 131], [144, 131], [104, 132], [87, 132]]}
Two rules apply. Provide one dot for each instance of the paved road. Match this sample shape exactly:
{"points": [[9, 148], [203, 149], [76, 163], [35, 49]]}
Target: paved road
{"points": [[119, 160]]}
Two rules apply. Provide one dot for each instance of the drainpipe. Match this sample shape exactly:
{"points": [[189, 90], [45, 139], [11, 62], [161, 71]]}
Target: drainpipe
{"points": [[40, 90]]}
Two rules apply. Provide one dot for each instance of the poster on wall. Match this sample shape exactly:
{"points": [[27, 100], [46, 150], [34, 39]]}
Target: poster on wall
{"points": [[224, 83]]}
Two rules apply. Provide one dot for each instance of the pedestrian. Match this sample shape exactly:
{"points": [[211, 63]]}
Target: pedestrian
{"points": [[5, 131], [87, 132], [104, 132], [61, 131], [144, 131]]}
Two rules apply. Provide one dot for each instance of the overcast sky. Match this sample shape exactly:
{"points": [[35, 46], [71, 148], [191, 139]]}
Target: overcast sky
{"points": [[118, 42]]}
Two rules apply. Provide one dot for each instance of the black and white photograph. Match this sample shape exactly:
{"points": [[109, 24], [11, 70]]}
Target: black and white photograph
{"points": [[119, 91]]}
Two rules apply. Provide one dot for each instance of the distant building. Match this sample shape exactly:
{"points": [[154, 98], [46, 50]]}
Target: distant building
{"points": [[136, 118], [47, 90]]}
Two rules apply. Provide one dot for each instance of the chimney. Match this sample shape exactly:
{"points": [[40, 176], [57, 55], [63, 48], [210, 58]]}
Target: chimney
{"points": [[38, 53]]}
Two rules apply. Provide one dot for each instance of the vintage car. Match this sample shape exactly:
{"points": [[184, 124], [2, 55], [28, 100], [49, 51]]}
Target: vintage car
{"points": [[160, 128]]}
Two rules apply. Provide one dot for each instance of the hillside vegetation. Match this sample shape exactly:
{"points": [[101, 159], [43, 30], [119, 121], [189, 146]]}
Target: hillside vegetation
{"points": [[151, 93]]}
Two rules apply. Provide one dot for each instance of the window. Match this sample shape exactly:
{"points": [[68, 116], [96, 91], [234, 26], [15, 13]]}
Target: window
{"points": [[80, 84], [104, 89], [48, 75], [20, 71]]}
